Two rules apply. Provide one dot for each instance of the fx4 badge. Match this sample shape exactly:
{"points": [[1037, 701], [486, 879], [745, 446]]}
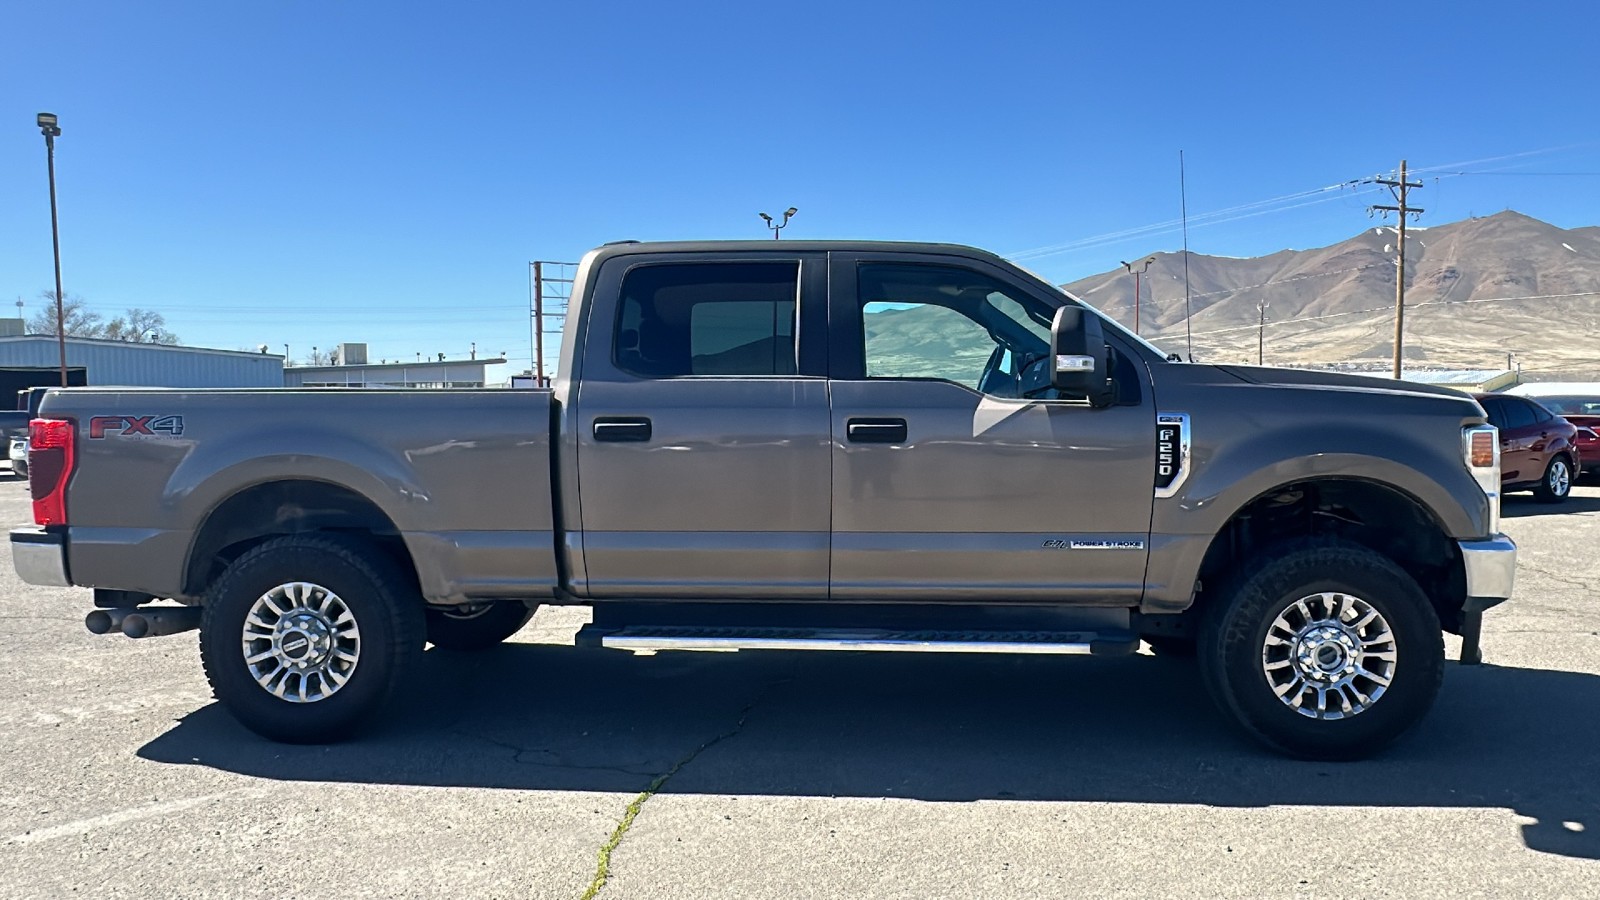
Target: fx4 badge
{"points": [[135, 426]]}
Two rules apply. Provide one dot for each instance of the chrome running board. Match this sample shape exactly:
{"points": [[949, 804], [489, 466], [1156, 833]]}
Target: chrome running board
{"points": [[648, 639]]}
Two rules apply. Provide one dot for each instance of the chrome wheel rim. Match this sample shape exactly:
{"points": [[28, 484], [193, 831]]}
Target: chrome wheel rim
{"points": [[1560, 480], [1329, 656], [301, 642]]}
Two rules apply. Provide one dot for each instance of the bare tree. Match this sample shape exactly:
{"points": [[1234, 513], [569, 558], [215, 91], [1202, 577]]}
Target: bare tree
{"points": [[140, 326], [136, 326], [75, 312], [324, 357]]}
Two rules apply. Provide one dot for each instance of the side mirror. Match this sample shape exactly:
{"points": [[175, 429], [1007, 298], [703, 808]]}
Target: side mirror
{"points": [[1078, 356]]}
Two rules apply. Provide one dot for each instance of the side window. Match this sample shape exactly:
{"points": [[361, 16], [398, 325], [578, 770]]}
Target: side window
{"points": [[953, 324], [1518, 414], [1491, 408], [708, 319], [1542, 415]]}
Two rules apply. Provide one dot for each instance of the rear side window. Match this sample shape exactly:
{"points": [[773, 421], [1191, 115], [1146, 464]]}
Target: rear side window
{"points": [[1518, 414], [708, 319]]}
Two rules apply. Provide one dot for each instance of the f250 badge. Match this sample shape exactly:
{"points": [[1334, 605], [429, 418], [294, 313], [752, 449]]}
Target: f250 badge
{"points": [[135, 426]]}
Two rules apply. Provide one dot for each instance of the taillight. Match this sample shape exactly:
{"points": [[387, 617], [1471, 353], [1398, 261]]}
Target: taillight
{"points": [[51, 445]]}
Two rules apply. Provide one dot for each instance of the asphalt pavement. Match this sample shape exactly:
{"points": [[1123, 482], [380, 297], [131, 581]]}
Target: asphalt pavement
{"points": [[534, 769]]}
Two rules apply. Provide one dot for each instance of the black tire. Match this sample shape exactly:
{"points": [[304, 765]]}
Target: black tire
{"points": [[1556, 483], [482, 628], [1170, 645], [385, 607], [1234, 649]]}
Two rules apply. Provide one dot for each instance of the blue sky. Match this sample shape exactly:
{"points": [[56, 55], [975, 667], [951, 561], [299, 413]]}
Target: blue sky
{"points": [[308, 173]]}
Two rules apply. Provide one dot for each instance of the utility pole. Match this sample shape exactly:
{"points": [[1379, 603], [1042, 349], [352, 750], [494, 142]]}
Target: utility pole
{"points": [[1261, 333], [1400, 188], [559, 283], [1136, 292], [538, 324]]}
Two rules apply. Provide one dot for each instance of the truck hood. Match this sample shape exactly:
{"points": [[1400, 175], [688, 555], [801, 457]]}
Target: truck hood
{"points": [[1312, 378]]}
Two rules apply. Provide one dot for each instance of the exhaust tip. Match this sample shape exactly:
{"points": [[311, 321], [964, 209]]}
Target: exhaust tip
{"points": [[106, 621], [135, 626]]}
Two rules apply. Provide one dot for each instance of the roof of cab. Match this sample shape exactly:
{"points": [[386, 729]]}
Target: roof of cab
{"points": [[619, 248]]}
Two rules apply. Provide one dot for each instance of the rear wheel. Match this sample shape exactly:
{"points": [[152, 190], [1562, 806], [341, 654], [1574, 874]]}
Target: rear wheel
{"points": [[305, 637], [1556, 483], [476, 626], [1327, 650]]}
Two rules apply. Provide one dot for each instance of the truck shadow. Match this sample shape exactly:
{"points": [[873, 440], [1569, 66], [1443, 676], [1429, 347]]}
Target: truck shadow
{"points": [[1137, 730], [1518, 506]]}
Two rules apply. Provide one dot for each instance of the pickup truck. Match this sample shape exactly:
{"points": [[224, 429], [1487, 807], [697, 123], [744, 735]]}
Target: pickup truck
{"points": [[798, 446]]}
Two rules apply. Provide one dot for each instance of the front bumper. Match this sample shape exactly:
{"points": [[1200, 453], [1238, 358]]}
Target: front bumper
{"points": [[1491, 568], [40, 556]]}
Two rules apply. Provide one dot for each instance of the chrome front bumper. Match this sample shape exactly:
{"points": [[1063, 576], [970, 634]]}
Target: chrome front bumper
{"points": [[1491, 568], [40, 556]]}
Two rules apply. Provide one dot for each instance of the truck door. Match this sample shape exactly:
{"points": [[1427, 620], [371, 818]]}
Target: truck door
{"points": [[702, 418], [956, 473]]}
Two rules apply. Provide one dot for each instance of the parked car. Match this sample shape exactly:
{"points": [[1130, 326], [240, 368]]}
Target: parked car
{"points": [[19, 456], [1580, 405], [14, 428], [757, 446], [1538, 449]]}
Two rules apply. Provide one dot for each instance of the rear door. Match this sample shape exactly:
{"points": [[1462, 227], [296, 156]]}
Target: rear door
{"points": [[955, 476], [1519, 433], [702, 410]]}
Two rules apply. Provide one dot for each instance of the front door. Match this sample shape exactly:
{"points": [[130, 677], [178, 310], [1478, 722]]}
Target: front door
{"points": [[957, 472], [702, 409]]}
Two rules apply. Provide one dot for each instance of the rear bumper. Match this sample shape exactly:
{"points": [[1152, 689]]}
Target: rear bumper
{"points": [[1491, 568], [40, 556]]}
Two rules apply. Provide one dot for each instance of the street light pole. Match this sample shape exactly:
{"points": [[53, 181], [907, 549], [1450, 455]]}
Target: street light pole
{"points": [[51, 130], [1136, 287], [778, 227]]}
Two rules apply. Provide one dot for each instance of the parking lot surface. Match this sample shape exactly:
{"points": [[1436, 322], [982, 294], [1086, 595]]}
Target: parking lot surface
{"points": [[799, 775]]}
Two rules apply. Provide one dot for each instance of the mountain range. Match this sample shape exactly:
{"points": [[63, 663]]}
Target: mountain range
{"points": [[1478, 292]]}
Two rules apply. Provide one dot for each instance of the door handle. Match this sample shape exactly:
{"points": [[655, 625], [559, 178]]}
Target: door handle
{"points": [[876, 431], [621, 428]]}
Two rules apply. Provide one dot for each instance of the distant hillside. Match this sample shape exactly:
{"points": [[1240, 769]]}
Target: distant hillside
{"points": [[1475, 290]]}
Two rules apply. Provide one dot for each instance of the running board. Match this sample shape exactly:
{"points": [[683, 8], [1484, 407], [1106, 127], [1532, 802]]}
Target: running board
{"points": [[648, 639]]}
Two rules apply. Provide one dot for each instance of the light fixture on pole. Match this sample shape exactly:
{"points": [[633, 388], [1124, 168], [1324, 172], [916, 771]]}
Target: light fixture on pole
{"points": [[51, 130], [778, 227], [1136, 287]]}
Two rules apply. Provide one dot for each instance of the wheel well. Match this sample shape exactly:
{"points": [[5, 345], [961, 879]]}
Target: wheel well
{"points": [[275, 508], [1374, 515]]}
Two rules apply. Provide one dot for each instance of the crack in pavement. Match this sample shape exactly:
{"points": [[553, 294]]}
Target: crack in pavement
{"points": [[518, 752], [602, 870], [1551, 575]]}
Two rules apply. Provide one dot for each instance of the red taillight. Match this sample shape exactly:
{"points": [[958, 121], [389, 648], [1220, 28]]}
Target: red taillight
{"points": [[1482, 449], [51, 444]]}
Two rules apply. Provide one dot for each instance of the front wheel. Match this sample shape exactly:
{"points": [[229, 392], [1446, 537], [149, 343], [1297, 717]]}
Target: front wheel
{"points": [[305, 637], [1327, 650], [475, 627], [1556, 483]]}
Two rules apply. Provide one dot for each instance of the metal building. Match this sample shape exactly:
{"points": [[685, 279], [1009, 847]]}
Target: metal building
{"points": [[119, 363], [447, 373]]}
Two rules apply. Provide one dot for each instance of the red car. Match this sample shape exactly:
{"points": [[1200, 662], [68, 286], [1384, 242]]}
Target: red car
{"points": [[1538, 449], [1582, 410]]}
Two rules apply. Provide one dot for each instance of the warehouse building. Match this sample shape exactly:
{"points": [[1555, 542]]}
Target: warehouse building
{"points": [[35, 360], [355, 371]]}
